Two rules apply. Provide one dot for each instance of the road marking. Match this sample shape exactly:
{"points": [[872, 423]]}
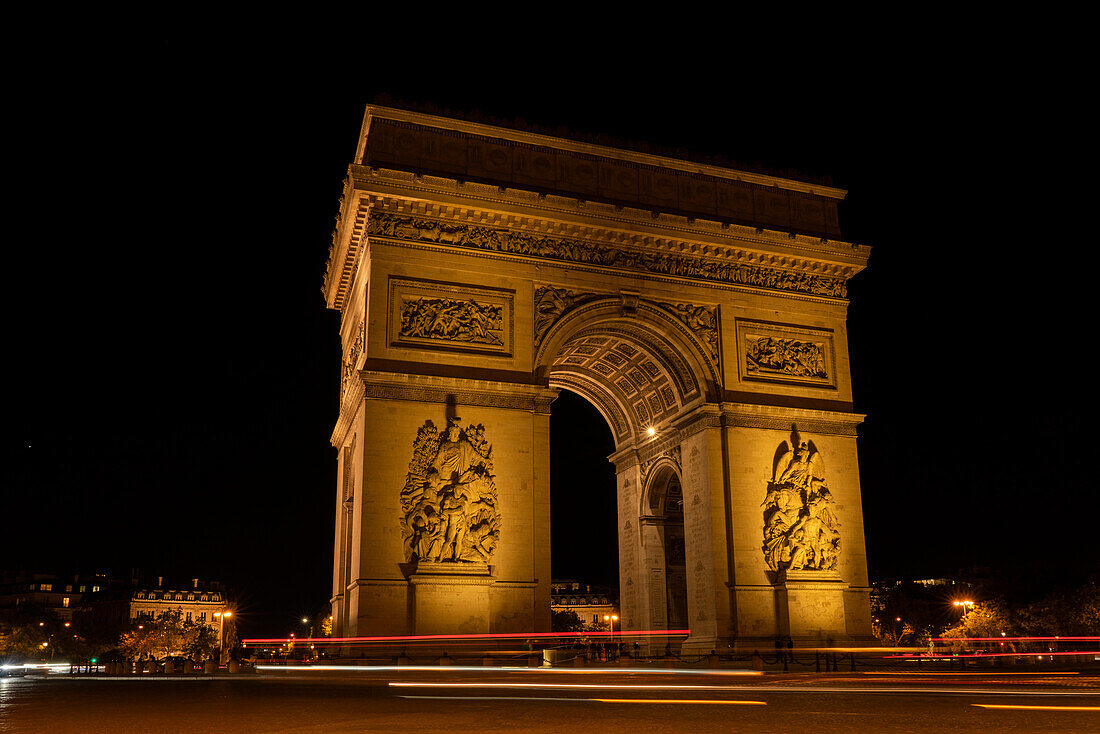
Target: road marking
{"points": [[1035, 708]]}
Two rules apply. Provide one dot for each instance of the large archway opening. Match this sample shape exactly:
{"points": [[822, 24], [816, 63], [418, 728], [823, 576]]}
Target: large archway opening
{"points": [[583, 543], [641, 373]]}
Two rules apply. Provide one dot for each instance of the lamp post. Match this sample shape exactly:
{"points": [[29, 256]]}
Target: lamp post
{"points": [[305, 621], [611, 619], [222, 616]]}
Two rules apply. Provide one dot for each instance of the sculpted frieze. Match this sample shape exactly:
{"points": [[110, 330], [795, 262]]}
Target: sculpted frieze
{"points": [[801, 531], [449, 501], [501, 240]]}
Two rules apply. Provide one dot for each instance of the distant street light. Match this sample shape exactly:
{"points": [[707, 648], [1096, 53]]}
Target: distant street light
{"points": [[611, 619]]}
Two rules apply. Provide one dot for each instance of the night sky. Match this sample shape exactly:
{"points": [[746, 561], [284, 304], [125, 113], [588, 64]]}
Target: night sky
{"points": [[173, 373]]}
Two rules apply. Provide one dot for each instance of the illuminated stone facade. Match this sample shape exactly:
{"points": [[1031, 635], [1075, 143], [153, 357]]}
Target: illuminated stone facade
{"points": [[701, 310]]}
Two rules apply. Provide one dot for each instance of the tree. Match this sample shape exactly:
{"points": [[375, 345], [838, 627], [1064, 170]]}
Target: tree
{"points": [[566, 621], [168, 634]]}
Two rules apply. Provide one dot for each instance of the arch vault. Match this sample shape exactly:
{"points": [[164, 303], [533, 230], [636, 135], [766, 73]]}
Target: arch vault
{"points": [[701, 310]]}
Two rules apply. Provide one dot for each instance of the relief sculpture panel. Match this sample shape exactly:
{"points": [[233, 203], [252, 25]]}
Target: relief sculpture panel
{"points": [[431, 315], [801, 531], [786, 354], [449, 501]]}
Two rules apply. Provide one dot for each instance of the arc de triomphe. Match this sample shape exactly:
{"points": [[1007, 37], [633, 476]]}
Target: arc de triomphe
{"points": [[478, 270]]}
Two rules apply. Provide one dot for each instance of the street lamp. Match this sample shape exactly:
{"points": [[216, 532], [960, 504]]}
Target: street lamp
{"points": [[222, 616], [611, 619]]}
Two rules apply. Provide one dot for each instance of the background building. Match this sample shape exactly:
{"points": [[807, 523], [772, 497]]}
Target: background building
{"points": [[196, 600], [56, 593], [591, 605]]}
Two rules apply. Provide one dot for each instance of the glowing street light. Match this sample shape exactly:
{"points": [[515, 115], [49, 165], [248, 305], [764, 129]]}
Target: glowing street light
{"points": [[611, 619], [222, 616]]}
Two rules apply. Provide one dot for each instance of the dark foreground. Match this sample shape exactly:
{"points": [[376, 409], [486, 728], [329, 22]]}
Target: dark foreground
{"points": [[585, 701]]}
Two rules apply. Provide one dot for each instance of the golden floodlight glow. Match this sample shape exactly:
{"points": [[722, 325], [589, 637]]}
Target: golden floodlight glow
{"points": [[651, 430]]}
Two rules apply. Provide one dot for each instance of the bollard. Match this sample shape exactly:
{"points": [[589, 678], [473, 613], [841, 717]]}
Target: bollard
{"points": [[712, 660], [209, 667], [169, 667], [234, 666], [445, 659], [757, 661]]}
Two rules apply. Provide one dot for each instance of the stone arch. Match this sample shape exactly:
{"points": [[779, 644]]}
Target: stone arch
{"points": [[640, 366], [662, 483], [664, 540]]}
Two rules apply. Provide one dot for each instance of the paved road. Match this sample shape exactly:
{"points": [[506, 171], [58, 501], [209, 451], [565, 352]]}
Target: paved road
{"points": [[582, 701]]}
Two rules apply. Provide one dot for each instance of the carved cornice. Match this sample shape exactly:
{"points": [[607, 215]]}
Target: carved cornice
{"points": [[349, 407], [344, 252], [491, 205], [676, 260]]}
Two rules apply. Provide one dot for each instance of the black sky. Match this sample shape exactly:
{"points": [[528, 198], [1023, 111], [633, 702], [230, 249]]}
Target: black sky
{"points": [[173, 371]]}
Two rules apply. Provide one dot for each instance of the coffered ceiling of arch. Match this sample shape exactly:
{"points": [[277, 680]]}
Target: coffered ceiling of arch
{"points": [[632, 371]]}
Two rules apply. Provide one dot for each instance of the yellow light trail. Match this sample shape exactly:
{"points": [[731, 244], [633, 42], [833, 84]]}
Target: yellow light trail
{"points": [[1035, 708]]}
